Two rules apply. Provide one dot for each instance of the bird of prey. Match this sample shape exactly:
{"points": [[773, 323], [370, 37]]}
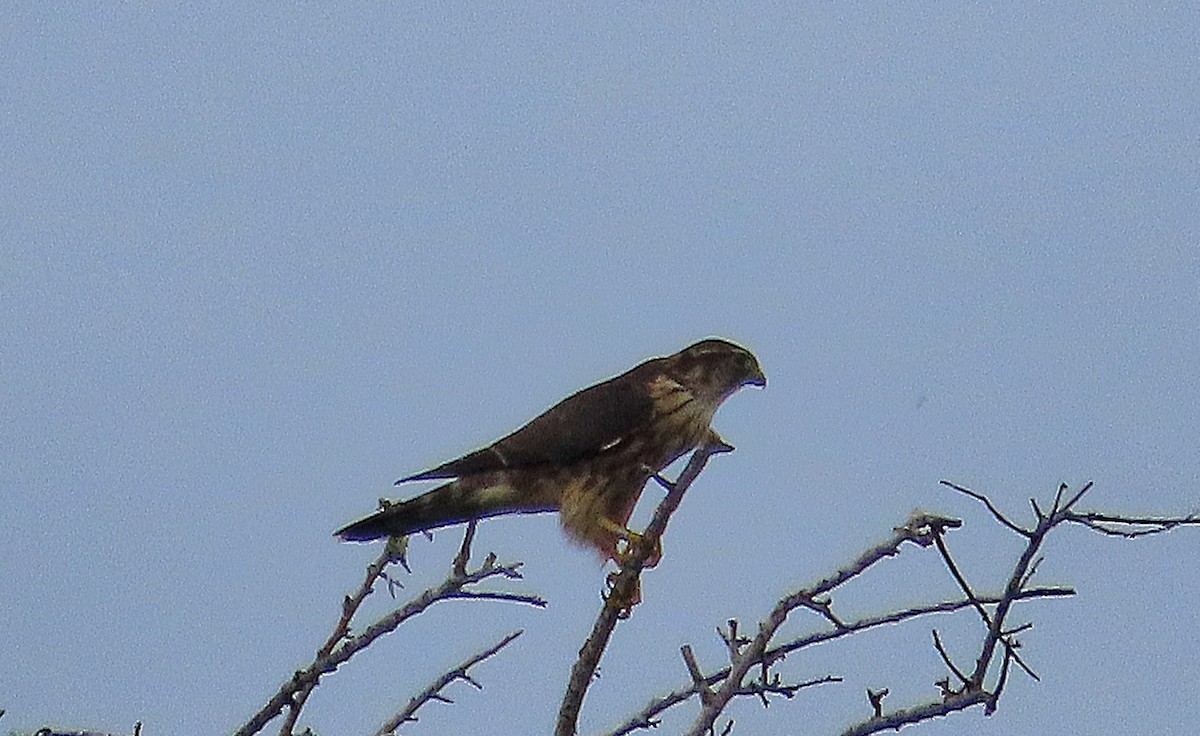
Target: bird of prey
{"points": [[587, 457]]}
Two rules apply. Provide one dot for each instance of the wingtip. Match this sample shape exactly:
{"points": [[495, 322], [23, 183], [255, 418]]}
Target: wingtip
{"points": [[427, 475]]}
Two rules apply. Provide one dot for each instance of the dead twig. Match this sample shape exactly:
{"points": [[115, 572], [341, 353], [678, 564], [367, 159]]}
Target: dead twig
{"points": [[937, 644], [987, 502], [341, 645], [876, 698], [648, 716], [350, 606], [1130, 527], [974, 690], [921, 529], [434, 691], [894, 720]]}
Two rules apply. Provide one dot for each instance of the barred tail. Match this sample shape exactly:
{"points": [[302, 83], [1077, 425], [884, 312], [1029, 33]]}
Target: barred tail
{"points": [[453, 503]]}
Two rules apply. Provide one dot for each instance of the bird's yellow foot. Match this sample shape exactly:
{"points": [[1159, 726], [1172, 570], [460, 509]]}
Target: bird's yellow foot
{"points": [[397, 550], [632, 541]]}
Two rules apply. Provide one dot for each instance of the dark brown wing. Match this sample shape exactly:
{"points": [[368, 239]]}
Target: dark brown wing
{"points": [[582, 425]]}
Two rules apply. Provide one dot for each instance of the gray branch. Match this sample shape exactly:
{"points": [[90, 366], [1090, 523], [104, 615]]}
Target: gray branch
{"points": [[434, 691]]}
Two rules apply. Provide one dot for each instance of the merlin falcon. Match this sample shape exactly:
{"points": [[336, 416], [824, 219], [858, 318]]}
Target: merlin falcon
{"points": [[587, 457]]}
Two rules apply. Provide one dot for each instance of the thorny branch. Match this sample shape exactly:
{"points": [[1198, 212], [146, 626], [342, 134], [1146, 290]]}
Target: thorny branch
{"points": [[716, 690], [625, 587], [647, 717], [974, 689], [1010, 648], [342, 644], [921, 530], [434, 691], [350, 605]]}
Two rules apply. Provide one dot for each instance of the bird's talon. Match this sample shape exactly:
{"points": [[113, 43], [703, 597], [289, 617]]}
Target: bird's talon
{"points": [[625, 604], [632, 542], [627, 542]]}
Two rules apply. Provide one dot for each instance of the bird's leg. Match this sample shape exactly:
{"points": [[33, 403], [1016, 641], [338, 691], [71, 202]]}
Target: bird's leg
{"points": [[622, 554]]}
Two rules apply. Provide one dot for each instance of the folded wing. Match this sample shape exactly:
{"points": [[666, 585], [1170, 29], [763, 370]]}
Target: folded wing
{"points": [[583, 425]]}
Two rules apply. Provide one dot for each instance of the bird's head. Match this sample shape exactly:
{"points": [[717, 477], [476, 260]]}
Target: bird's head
{"points": [[717, 366]]}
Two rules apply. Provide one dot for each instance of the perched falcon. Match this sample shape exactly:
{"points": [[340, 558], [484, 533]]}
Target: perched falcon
{"points": [[587, 457]]}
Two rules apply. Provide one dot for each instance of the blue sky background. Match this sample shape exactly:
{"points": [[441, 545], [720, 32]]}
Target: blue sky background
{"points": [[256, 262]]}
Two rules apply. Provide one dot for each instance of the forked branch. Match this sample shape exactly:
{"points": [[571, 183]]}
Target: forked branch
{"points": [[981, 684], [342, 644], [975, 689]]}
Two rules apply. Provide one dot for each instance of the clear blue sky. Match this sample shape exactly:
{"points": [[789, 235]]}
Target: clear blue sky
{"points": [[256, 263]]}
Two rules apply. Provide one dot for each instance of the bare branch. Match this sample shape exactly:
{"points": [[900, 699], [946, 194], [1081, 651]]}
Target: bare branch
{"points": [[958, 578], [990, 507], [994, 700], [824, 607], [733, 641], [776, 687], [647, 717], [459, 568], [494, 595], [693, 668], [1062, 488], [876, 698], [983, 614], [893, 721], [451, 589], [1011, 590], [625, 588], [1075, 499], [341, 646], [921, 529], [433, 692], [937, 644], [1134, 526], [299, 688], [974, 691], [1032, 571]]}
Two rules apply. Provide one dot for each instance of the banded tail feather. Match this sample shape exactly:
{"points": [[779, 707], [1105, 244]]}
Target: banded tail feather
{"points": [[453, 503]]}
